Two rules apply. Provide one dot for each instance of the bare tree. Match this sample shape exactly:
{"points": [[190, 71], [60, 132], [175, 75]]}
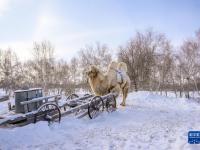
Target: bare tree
{"points": [[95, 55], [189, 58], [74, 69], [43, 63], [140, 56], [152, 65], [9, 69], [61, 77]]}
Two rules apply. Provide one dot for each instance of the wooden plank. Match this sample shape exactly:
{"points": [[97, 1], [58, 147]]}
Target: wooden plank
{"points": [[32, 89], [4, 98], [76, 100], [72, 110], [22, 119], [108, 95], [38, 99], [26, 108], [12, 119], [82, 115]]}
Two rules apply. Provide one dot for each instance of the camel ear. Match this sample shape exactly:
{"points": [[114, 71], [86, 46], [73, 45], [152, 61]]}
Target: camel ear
{"points": [[96, 70], [88, 70]]}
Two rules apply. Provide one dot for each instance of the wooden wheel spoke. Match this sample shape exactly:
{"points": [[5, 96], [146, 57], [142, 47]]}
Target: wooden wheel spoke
{"points": [[49, 112], [111, 104], [95, 107]]}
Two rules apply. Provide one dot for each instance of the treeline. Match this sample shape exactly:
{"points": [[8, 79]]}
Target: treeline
{"points": [[45, 71], [153, 64]]}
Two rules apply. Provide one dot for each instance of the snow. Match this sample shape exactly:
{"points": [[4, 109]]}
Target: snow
{"points": [[149, 121], [4, 104]]}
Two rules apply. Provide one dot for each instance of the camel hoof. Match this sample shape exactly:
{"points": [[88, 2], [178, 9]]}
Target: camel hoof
{"points": [[122, 104]]}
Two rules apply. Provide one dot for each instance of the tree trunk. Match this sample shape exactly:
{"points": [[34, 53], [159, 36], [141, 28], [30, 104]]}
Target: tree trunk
{"points": [[135, 84]]}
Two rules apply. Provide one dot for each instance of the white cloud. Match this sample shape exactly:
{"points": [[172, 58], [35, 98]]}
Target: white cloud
{"points": [[47, 24], [21, 48], [4, 6], [64, 36]]}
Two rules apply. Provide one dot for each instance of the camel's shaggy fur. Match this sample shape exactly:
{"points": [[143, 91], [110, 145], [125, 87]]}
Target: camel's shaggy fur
{"points": [[114, 80]]}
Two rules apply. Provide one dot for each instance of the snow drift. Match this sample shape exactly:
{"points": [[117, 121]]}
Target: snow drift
{"points": [[148, 122]]}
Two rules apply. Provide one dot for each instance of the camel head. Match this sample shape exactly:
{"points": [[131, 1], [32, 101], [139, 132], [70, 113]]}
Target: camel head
{"points": [[92, 72]]}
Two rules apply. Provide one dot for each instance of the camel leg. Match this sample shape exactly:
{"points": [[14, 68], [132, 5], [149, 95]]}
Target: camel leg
{"points": [[125, 93], [116, 90]]}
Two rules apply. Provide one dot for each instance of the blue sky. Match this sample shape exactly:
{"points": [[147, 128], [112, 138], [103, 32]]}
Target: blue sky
{"points": [[72, 24]]}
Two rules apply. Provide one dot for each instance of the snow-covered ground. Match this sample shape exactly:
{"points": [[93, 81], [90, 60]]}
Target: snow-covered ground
{"points": [[4, 105], [148, 122]]}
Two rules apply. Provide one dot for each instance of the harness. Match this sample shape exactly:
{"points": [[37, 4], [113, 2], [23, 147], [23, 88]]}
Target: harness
{"points": [[120, 77]]}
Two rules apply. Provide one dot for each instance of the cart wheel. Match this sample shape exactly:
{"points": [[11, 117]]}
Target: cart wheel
{"points": [[111, 104], [72, 96], [95, 107], [49, 112]]}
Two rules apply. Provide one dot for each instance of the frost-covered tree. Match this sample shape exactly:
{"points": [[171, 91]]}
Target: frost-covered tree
{"points": [[140, 56], [43, 63], [97, 54], [9, 70]]}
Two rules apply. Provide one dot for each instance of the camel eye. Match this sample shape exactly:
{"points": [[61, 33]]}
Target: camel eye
{"points": [[89, 72]]}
